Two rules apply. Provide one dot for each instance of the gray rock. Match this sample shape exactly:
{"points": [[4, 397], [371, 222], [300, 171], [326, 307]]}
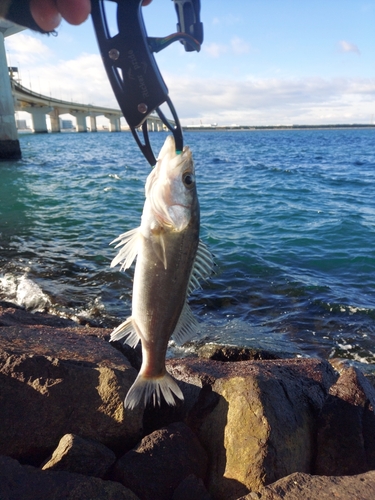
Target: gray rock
{"points": [[83, 456], [155, 468], [59, 381], [299, 486], [19, 482]]}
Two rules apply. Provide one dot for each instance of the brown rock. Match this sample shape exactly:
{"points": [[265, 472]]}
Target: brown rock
{"points": [[346, 433], [60, 381], [83, 456], [13, 315], [190, 488], [19, 482], [256, 419], [232, 353], [299, 486], [155, 468]]}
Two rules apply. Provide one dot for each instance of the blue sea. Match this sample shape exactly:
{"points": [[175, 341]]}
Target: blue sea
{"points": [[288, 214]]}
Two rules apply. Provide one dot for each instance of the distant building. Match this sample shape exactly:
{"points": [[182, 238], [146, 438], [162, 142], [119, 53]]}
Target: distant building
{"points": [[66, 124]]}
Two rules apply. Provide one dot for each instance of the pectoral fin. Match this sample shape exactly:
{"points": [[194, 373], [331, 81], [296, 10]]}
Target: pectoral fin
{"points": [[128, 253], [158, 245]]}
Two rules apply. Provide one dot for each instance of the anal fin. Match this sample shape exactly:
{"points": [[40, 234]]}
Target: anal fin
{"points": [[127, 332]]}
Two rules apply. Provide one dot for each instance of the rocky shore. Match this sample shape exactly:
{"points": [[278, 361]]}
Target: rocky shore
{"points": [[251, 426]]}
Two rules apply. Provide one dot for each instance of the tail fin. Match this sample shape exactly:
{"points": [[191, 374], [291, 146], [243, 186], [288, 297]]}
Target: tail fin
{"points": [[150, 389]]}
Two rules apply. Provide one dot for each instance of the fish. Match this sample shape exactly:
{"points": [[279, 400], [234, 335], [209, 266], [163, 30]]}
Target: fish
{"points": [[171, 260]]}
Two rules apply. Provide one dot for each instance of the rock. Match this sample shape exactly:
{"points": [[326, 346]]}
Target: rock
{"points": [[19, 482], [59, 381], [232, 353], [161, 461], [132, 354], [256, 419], [300, 486], [12, 315], [190, 488], [75, 454], [346, 427]]}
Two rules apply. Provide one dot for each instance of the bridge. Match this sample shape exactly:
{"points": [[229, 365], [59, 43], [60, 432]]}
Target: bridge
{"points": [[39, 106], [16, 97]]}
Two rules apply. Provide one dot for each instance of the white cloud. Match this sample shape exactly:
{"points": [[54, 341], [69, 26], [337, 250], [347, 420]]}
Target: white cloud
{"points": [[239, 46], [247, 101], [214, 50], [348, 47], [26, 49], [80, 80], [274, 101]]}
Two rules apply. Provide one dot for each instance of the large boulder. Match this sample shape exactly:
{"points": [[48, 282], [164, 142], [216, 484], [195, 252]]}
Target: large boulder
{"points": [[256, 419], [161, 461], [300, 486], [19, 482], [346, 426], [56, 381]]}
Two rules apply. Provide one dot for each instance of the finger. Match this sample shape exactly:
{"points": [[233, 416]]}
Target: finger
{"points": [[74, 11], [45, 14]]}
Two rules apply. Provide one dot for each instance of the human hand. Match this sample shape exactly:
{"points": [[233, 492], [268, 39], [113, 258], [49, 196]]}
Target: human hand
{"points": [[48, 13]]}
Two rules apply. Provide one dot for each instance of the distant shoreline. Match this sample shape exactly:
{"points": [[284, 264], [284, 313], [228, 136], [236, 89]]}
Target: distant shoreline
{"points": [[227, 128]]}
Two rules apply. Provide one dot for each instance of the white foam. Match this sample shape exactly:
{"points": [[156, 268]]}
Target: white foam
{"points": [[30, 296], [346, 347]]}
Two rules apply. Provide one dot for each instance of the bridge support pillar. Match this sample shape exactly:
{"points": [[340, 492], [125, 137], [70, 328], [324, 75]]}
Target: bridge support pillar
{"points": [[55, 120], [114, 123], [38, 116], [81, 120], [93, 126], [9, 143], [152, 125]]}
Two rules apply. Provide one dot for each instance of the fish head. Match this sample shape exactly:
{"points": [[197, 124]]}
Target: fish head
{"points": [[171, 189]]}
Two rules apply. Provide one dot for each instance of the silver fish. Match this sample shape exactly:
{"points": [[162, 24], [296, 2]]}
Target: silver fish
{"points": [[170, 261]]}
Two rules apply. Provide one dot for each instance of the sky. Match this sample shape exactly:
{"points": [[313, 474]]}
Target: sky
{"points": [[262, 62]]}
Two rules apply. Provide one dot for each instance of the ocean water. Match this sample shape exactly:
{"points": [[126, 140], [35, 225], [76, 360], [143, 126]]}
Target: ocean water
{"points": [[288, 214]]}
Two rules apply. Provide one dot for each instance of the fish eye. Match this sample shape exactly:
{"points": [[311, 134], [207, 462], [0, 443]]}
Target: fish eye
{"points": [[188, 179]]}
